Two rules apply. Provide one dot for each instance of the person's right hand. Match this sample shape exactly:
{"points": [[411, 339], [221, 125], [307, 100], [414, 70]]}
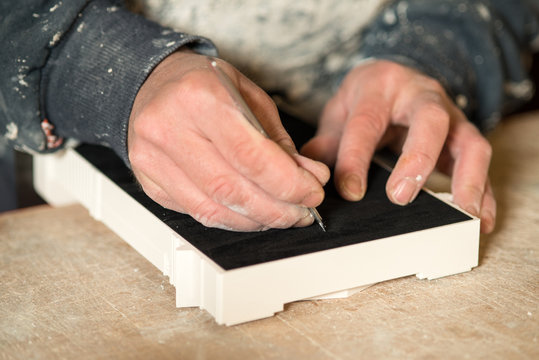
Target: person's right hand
{"points": [[193, 152]]}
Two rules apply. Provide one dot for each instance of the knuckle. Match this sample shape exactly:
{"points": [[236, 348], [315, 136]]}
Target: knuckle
{"points": [[352, 159], [150, 124], [435, 114], [247, 154], [225, 189], [390, 70], [281, 220], [194, 92], [138, 158], [422, 158], [433, 109], [207, 213], [372, 121], [433, 85], [190, 83], [292, 193]]}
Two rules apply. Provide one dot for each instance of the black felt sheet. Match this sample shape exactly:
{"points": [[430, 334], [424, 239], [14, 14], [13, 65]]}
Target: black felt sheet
{"points": [[348, 223]]}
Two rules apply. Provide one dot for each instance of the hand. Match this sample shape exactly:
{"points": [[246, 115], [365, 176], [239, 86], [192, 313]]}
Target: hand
{"points": [[193, 152], [381, 103]]}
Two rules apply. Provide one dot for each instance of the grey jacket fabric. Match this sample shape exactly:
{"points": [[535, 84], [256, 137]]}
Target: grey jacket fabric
{"points": [[71, 69], [78, 64], [478, 49]]}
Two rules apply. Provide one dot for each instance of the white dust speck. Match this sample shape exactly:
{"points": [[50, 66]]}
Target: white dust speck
{"points": [[109, 71], [334, 62], [461, 100], [418, 178], [389, 17], [12, 131], [238, 209], [80, 27], [520, 90], [112, 9], [169, 44], [166, 32], [135, 270], [53, 9], [21, 80], [55, 38], [529, 313], [402, 11], [483, 12], [35, 15]]}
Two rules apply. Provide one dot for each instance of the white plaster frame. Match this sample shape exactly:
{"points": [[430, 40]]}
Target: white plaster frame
{"points": [[258, 291]]}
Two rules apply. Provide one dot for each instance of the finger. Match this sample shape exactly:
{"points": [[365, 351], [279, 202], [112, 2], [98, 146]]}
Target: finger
{"points": [[318, 169], [265, 110], [325, 144], [472, 154], [364, 128], [260, 159], [428, 122], [224, 185], [488, 210], [183, 196]]}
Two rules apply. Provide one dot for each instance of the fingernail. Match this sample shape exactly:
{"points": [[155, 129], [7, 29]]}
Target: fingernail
{"points": [[352, 188], [406, 190], [307, 218]]}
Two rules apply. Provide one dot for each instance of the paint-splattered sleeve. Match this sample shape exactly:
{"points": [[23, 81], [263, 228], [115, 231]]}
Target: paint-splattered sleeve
{"points": [[478, 49], [71, 69]]}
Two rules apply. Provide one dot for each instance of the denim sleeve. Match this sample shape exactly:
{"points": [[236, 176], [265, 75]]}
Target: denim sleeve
{"points": [[72, 69], [478, 49]]}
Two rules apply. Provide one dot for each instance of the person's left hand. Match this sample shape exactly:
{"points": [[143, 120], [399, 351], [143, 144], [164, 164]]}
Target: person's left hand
{"points": [[383, 103]]}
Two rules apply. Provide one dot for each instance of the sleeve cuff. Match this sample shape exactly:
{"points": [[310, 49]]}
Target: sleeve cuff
{"points": [[92, 77]]}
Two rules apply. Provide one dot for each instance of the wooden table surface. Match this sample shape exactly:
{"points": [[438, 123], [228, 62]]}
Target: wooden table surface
{"points": [[70, 288]]}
